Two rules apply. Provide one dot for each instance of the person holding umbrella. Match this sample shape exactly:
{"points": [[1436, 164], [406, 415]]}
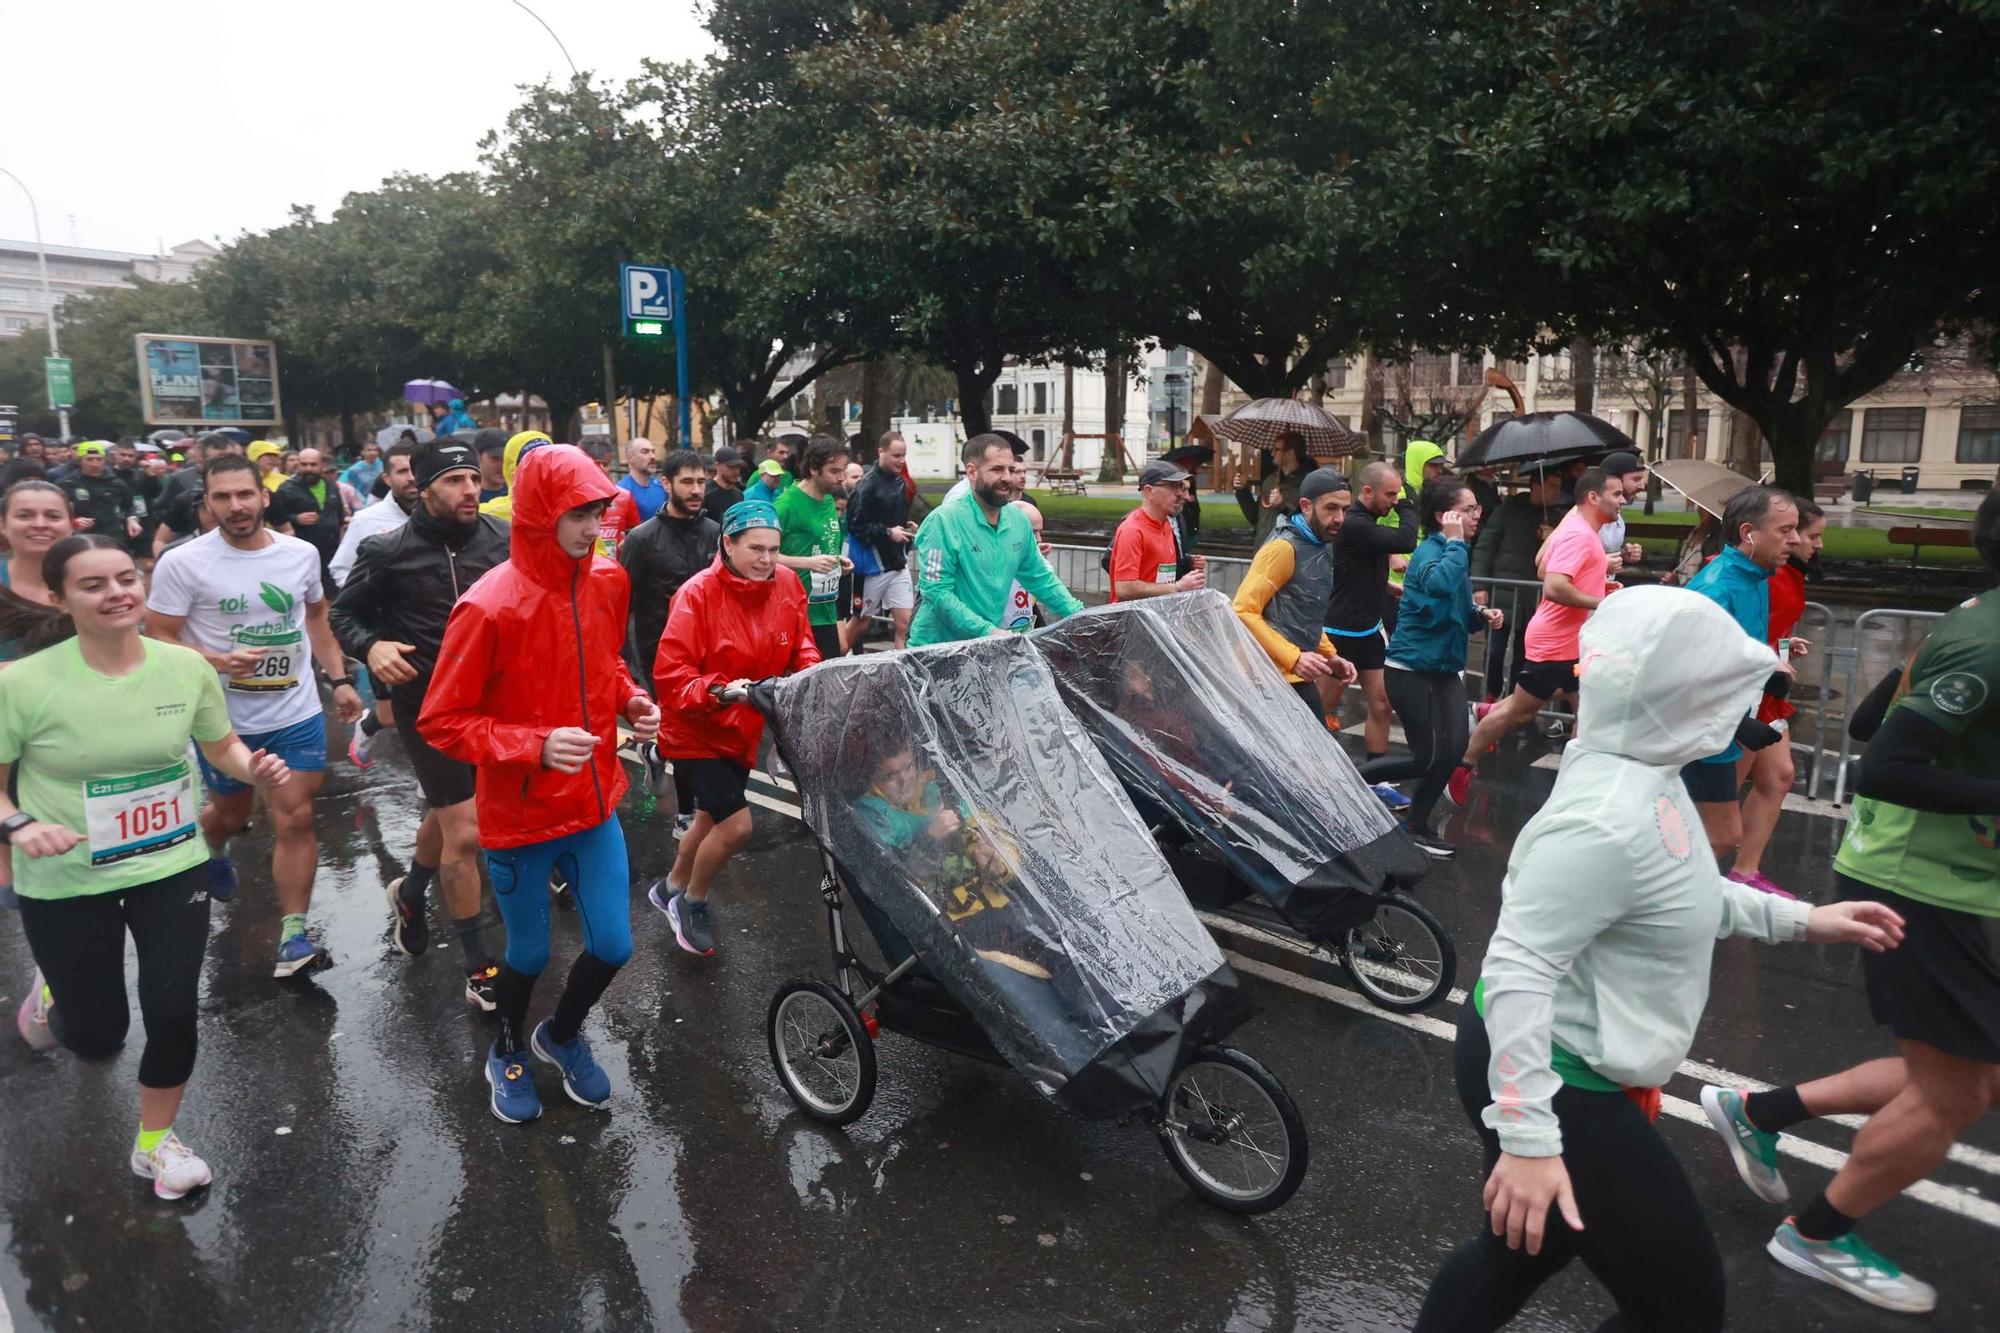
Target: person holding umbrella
{"points": [[1276, 495]]}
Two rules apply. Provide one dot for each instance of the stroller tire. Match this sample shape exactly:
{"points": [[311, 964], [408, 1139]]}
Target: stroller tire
{"points": [[821, 1050], [1232, 1132], [1400, 958]]}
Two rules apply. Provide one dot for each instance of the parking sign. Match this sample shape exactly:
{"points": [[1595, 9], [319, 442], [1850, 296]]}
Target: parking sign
{"points": [[649, 293]]}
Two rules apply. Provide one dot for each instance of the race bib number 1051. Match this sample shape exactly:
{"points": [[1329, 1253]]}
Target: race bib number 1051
{"points": [[137, 815]]}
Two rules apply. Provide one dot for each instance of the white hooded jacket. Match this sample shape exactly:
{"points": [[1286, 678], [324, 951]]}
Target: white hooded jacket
{"points": [[1612, 901]]}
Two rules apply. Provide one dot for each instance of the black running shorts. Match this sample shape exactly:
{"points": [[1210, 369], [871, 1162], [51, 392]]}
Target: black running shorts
{"points": [[718, 786], [443, 780], [1942, 987], [1711, 784], [1545, 680]]}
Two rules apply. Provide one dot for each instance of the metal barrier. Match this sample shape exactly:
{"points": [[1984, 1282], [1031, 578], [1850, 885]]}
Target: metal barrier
{"points": [[1081, 570], [1896, 624], [1816, 668]]}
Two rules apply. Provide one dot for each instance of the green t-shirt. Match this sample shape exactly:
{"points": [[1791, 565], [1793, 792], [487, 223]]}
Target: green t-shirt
{"points": [[108, 757], [812, 527], [1946, 860]]}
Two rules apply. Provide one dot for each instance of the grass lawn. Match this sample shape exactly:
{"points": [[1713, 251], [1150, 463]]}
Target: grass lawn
{"points": [[1917, 511]]}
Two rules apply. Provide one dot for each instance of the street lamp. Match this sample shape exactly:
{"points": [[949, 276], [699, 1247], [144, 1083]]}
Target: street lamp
{"points": [[48, 301]]}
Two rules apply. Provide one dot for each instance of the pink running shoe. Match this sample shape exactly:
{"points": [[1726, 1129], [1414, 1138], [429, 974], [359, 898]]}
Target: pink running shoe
{"points": [[1459, 785]]}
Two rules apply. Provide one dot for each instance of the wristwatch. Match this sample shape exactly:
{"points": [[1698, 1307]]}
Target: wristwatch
{"points": [[335, 682], [13, 824]]}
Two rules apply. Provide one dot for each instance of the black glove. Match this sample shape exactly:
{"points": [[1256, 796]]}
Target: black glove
{"points": [[1754, 735], [1779, 685]]}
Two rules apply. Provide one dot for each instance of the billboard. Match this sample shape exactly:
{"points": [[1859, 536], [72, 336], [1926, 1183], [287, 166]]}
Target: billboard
{"points": [[207, 381]]}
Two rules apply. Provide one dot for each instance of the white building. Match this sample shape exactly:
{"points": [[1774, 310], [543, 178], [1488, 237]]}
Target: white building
{"points": [[76, 272]]}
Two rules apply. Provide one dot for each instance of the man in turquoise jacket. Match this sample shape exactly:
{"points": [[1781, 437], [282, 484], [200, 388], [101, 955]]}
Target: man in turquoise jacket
{"points": [[1757, 524], [971, 550]]}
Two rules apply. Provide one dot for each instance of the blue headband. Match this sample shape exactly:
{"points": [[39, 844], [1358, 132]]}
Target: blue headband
{"points": [[746, 514]]}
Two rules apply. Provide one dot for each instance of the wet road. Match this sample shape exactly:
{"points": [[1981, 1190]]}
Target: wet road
{"points": [[361, 1182]]}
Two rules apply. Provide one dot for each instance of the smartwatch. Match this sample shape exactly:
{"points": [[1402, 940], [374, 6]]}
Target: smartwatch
{"points": [[13, 824]]}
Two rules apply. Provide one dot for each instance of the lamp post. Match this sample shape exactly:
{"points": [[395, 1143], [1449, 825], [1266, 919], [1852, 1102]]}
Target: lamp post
{"points": [[48, 301]]}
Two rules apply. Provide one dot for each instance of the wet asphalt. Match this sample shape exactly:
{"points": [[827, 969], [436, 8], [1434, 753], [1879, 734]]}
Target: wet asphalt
{"points": [[362, 1184]]}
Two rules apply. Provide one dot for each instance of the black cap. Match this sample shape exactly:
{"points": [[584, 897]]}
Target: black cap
{"points": [[1160, 472], [1323, 481], [489, 440], [1619, 463], [442, 456], [728, 457]]}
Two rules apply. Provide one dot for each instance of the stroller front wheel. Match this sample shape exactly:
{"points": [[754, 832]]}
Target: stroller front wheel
{"points": [[1401, 958], [821, 1050], [1232, 1132]]}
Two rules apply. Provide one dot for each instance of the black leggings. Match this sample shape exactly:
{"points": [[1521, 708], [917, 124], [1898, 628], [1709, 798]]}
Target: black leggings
{"points": [[1431, 706], [79, 943], [1644, 1235]]}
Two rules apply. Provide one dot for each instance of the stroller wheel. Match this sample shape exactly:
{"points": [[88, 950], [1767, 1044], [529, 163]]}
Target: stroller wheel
{"points": [[1232, 1132], [821, 1051], [1401, 957]]}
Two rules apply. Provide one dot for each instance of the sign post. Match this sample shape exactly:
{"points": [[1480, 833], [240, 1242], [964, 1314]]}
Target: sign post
{"points": [[62, 383], [651, 298]]}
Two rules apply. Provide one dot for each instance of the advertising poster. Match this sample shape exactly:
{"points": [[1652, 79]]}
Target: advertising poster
{"points": [[207, 381]]}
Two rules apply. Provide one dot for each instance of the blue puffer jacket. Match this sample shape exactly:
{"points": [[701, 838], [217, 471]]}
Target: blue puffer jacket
{"points": [[1436, 616]]}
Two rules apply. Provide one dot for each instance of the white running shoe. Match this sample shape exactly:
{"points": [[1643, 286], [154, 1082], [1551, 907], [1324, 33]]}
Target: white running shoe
{"points": [[32, 1018], [173, 1169]]}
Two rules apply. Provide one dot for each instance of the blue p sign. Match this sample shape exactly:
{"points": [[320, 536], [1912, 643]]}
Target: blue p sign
{"points": [[649, 293]]}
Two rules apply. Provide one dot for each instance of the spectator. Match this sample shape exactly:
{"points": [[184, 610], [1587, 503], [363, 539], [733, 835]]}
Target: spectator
{"points": [[1276, 495]]}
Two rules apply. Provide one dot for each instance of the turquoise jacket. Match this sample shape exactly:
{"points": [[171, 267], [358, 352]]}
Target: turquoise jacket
{"points": [[1742, 587], [967, 567], [1436, 615]]}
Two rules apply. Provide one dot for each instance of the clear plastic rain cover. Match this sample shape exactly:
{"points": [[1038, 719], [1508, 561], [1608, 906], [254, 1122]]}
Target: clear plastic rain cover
{"points": [[1202, 728], [966, 806]]}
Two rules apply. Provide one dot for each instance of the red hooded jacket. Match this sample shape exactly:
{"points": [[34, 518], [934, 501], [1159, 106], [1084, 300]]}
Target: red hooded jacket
{"points": [[535, 645], [725, 627]]}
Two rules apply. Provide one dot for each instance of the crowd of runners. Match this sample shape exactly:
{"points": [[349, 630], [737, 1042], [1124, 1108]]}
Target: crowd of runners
{"points": [[173, 630]]}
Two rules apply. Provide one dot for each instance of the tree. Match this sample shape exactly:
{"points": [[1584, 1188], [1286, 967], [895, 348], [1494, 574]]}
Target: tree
{"points": [[1796, 197], [97, 331]]}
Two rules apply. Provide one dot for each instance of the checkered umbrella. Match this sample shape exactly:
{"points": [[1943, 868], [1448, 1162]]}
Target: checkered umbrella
{"points": [[1260, 422]]}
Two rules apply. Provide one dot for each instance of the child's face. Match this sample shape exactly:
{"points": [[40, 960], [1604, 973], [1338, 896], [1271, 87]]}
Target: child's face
{"points": [[898, 778]]}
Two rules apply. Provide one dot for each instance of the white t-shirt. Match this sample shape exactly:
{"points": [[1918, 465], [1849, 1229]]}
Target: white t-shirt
{"points": [[248, 599], [385, 515]]}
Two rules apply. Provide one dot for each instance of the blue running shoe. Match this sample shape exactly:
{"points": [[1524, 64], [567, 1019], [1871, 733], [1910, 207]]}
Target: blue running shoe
{"points": [[1390, 797], [583, 1078], [296, 953], [514, 1099], [221, 879]]}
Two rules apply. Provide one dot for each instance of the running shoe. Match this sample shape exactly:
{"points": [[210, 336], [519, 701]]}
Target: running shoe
{"points": [[1431, 844], [656, 769], [1479, 711], [174, 1171], [582, 1077], [32, 1018], [514, 1099], [1390, 797], [361, 749], [412, 928], [1754, 1152], [682, 823], [297, 953], [1755, 880], [1848, 1263], [692, 922], [1459, 786], [221, 879], [480, 990]]}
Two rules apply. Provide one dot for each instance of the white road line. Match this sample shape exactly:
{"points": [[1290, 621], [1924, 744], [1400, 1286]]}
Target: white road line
{"points": [[1961, 1202], [1977, 1159]]}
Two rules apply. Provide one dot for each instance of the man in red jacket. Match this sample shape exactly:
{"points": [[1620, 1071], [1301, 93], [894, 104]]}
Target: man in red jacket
{"points": [[731, 624], [529, 687]]}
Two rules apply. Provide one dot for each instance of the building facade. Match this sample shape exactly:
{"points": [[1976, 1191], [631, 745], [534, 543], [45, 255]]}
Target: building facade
{"points": [[74, 271]]}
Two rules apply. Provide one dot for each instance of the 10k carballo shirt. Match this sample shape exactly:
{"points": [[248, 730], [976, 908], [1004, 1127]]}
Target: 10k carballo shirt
{"points": [[234, 599]]}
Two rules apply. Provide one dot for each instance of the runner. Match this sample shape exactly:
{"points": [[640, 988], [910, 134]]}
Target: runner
{"points": [[1509, 539], [1428, 651], [878, 525], [249, 600], [1921, 841], [362, 473], [1769, 771], [811, 545], [97, 731], [737, 621], [1631, 473], [970, 552], [1363, 547], [387, 514], [34, 516], [270, 461], [101, 502], [726, 488], [1574, 572], [549, 773], [1145, 559], [1760, 526], [1596, 977], [309, 506], [660, 556], [519, 443], [1282, 599], [180, 497], [491, 444], [391, 615], [648, 492]]}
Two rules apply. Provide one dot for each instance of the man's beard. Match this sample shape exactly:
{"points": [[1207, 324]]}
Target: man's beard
{"points": [[991, 496]]}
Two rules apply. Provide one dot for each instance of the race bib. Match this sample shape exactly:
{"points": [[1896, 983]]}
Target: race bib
{"points": [[134, 816], [277, 669], [1166, 573], [824, 587], [1020, 612]]}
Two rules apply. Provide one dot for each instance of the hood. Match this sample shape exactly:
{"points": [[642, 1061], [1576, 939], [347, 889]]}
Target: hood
{"points": [[1419, 453], [510, 458], [555, 479], [456, 404], [1665, 677]]}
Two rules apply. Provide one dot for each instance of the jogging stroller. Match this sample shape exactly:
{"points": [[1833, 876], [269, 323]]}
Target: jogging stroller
{"points": [[1023, 915], [1257, 809]]}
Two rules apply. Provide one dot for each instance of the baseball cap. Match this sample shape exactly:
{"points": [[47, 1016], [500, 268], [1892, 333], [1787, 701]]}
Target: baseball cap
{"points": [[90, 447], [489, 440], [771, 467], [728, 457], [1323, 481], [442, 456], [1618, 464], [1159, 472]]}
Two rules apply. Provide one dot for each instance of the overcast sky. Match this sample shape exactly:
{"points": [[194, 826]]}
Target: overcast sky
{"points": [[137, 124]]}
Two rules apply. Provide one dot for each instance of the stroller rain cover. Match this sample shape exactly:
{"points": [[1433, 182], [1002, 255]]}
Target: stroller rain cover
{"points": [[1192, 715], [967, 808]]}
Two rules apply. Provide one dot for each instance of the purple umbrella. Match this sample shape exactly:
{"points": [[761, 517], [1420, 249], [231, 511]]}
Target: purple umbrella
{"points": [[429, 391]]}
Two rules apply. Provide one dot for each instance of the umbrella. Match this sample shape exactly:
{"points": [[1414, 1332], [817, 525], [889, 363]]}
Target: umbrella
{"points": [[238, 434], [1708, 485], [388, 435], [1188, 455], [429, 391], [1259, 422], [1556, 437], [170, 435]]}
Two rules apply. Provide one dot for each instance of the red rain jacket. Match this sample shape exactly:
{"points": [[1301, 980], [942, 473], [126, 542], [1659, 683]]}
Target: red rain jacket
{"points": [[725, 627], [535, 645]]}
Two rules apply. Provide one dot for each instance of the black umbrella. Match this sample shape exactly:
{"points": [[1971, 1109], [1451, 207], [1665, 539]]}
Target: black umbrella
{"points": [[1189, 455], [1556, 437]]}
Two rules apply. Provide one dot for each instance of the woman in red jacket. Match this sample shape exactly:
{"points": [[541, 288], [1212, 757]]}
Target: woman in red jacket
{"points": [[529, 687], [741, 619]]}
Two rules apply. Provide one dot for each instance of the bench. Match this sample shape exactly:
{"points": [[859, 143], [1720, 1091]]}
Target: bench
{"points": [[1062, 481], [1635, 532], [1834, 489], [1918, 538]]}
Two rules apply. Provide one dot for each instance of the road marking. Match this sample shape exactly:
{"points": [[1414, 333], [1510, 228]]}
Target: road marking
{"points": [[1977, 1159]]}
